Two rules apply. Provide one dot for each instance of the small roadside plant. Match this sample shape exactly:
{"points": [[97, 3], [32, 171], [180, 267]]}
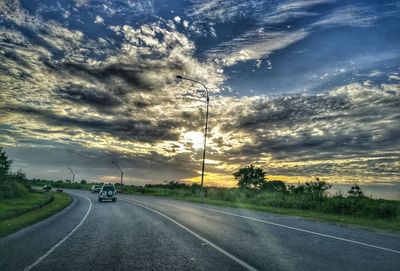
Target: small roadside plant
{"points": [[355, 191]]}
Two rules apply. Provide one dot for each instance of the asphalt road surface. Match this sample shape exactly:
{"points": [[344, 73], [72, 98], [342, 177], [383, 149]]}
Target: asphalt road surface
{"points": [[151, 233]]}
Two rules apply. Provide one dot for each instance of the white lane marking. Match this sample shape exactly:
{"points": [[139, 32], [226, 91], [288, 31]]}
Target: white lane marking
{"points": [[61, 241], [226, 253], [296, 229]]}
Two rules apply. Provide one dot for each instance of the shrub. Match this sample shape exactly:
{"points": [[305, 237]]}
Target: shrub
{"points": [[12, 190], [315, 189], [274, 186]]}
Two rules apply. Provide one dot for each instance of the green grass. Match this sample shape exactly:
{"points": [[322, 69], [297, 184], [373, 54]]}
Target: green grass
{"points": [[21, 212], [18, 206]]}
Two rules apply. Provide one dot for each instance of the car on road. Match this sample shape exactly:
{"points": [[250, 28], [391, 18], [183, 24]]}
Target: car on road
{"points": [[46, 188], [95, 189], [108, 192]]}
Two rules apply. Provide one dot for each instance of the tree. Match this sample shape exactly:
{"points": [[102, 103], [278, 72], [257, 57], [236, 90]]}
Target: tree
{"points": [[83, 182], [5, 165], [251, 177]]}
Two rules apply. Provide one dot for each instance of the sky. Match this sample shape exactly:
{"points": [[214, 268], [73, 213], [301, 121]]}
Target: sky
{"points": [[299, 88]]}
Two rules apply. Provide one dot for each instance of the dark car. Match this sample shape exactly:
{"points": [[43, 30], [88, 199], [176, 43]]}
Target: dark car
{"points": [[95, 189], [46, 188]]}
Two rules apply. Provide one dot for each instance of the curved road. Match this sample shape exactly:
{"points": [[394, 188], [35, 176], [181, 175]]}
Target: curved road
{"points": [[151, 233]]}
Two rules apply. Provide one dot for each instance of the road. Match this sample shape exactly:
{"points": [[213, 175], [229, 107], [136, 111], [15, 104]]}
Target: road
{"points": [[151, 233]]}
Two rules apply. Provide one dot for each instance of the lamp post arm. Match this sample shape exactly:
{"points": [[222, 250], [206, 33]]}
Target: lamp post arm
{"points": [[122, 172], [198, 82], [73, 174], [116, 164]]}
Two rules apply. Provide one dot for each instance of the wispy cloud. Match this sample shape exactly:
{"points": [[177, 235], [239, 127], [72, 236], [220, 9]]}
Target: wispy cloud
{"points": [[273, 30], [222, 10], [357, 16], [254, 45]]}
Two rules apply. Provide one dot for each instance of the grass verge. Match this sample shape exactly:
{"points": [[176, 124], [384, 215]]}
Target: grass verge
{"points": [[19, 213], [14, 207], [371, 224]]}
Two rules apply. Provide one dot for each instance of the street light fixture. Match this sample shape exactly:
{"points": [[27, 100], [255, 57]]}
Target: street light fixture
{"points": [[73, 174], [122, 172], [205, 132]]}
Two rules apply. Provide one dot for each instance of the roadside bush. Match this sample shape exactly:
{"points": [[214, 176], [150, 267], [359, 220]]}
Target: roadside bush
{"points": [[225, 194], [12, 190], [314, 189], [338, 205], [274, 186]]}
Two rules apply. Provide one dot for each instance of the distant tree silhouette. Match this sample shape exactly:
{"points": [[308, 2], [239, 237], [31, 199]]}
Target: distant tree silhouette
{"points": [[251, 177], [355, 191]]}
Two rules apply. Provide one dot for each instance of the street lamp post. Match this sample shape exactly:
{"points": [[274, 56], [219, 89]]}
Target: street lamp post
{"points": [[73, 174], [122, 172], [205, 133]]}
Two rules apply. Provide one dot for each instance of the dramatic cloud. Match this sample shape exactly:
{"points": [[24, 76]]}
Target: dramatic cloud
{"points": [[302, 88]]}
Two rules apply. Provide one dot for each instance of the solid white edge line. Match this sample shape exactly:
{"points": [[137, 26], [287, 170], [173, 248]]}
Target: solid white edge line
{"points": [[61, 241], [221, 250], [296, 229]]}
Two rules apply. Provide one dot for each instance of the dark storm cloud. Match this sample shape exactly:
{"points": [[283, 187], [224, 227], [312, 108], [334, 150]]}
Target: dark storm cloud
{"points": [[126, 129], [289, 110], [107, 73], [90, 96]]}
